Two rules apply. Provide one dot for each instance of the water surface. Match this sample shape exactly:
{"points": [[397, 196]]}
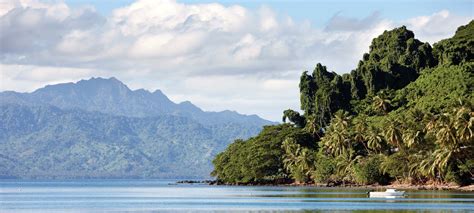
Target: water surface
{"points": [[165, 196]]}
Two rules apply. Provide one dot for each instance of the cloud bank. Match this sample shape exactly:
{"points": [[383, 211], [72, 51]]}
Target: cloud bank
{"points": [[219, 57]]}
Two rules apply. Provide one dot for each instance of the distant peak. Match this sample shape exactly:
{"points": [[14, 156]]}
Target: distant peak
{"points": [[111, 79], [230, 112], [189, 106], [158, 92], [141, 90], [186, 103]]}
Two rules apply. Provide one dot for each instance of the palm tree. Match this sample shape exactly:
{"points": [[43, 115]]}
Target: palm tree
{"points": [[413, 133], [312, 126], [381, 103], [412, 137], [453, 136], [341, 120], [464, 123], [297, 161], [292, 152], [335, 141], [393, 133], [427, 166], [304, 162], [417, 114], [337, 138], [431, 122], [414, 165], [374, 140], [345, 164], [360, 134], [446, 133]]}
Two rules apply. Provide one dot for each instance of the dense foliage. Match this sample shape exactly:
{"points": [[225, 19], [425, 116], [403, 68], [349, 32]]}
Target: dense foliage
{"points": [[406, 114], [259, 159]]}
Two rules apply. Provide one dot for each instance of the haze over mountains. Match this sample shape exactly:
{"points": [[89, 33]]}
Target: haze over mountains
{"points": [[99, 128]]}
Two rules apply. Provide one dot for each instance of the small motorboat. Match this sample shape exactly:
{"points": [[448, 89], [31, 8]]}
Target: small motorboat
{"points": [[389, 193]]}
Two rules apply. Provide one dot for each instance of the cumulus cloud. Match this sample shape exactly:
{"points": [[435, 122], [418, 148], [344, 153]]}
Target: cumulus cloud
{"points": [[26, 77], [219, 57], [442, 24]]}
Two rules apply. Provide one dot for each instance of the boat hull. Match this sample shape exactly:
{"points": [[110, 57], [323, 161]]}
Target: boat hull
{"points": [[386, 194]]}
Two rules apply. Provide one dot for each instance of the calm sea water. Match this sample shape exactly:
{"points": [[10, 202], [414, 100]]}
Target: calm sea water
{"points": [[164, 196]]}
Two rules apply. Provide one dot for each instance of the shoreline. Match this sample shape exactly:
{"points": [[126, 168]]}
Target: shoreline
{"points": [[440, 187]]}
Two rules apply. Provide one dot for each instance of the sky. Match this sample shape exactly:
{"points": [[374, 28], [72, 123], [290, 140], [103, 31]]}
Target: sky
{"points": [[242, 55]]}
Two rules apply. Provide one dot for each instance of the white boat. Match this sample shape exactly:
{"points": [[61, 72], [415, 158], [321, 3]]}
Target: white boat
{"points": [[389, 193]]}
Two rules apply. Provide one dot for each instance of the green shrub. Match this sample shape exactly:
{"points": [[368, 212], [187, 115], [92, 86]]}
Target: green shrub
{"points": [[324, 169], [461, 174], [367, 171], [397, 166], [466, 171]]}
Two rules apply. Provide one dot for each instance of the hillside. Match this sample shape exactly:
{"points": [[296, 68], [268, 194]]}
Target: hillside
{"points": [[99, 128], [404, 115]]}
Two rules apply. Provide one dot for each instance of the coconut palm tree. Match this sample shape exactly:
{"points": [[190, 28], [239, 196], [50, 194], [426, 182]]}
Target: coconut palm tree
{"points": [[341, 120], [374, 140], [292, 152], [381, 103], [464, 123], [335, 142], [446, 133], [360, 133], [304, 162], [412, 137], [337, 138], [345, 165], [393, 133], [414, 165], [312, 126], [427, 166], [297, 161], [452, 135]]}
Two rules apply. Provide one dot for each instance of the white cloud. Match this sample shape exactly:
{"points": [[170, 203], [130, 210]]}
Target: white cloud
{"points": [[26, 78], [219, 57], [439, 25], [268, 19]]}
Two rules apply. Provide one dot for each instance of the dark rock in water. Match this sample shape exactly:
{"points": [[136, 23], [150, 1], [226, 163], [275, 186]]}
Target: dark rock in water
{"points": [[209, 182]]}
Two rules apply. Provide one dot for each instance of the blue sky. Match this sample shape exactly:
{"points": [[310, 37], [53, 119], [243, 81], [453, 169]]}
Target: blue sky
{"points": [[232, 55], [320, 11]]}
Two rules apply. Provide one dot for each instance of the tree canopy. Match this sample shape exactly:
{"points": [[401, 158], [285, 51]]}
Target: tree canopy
{"points": [[404, 114]]}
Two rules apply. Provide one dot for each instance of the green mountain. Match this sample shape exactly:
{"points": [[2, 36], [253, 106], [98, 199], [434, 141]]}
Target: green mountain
{"points": [[405, 115], [99, 128]]}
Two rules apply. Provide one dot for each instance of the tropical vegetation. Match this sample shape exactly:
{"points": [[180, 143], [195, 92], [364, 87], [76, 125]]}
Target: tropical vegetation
{"points": [[404, 115]]}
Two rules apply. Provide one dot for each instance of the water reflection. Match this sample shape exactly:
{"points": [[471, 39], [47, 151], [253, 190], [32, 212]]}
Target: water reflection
{"points": [[158, 195]]}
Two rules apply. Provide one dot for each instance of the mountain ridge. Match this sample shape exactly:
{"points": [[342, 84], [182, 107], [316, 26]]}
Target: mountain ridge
{"points": [[109, 94], [100, 128]]}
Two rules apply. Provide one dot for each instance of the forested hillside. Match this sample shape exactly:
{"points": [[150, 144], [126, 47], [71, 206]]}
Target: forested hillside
{"points": [[404, 115], [99, 128]]}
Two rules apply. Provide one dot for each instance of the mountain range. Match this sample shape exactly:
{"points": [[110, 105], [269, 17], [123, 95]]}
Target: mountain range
{"points": [[99, 128]]}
